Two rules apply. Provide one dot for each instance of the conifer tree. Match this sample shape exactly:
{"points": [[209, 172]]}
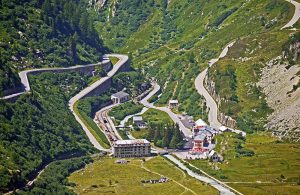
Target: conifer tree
{"points": [[177, 138]]}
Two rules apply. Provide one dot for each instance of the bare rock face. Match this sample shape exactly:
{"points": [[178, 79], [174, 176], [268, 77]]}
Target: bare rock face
{"points": [[226, 120], [97, 4], [223, 119], [278, 81]]}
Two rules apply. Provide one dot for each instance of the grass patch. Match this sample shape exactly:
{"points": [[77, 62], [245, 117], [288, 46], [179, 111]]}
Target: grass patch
{"points": [[93, 79], [157, 116], [92, 127], [128, 108], [114, 60], [104, 176], [123, 134], [140, 134], [151, 115], [271, 159]]}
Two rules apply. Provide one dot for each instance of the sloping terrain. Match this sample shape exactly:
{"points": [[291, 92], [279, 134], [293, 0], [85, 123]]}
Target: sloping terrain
{"points": [[171, 40], [44, 33], [38, 127], [177, 38], [280, 82]]}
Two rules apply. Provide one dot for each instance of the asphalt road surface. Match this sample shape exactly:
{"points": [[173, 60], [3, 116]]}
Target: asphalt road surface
{"points": [[296, 14], [122, 60]]}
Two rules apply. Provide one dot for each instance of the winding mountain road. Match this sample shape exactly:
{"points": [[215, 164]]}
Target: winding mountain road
{"points": [[25, 81], [210, 102], [296, 14], [122, 61], [187, 132]]}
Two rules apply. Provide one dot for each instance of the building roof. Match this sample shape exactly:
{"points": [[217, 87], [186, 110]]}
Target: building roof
{"points": [[132, 142], [200, 137], [200, 122], [211, 153], [105, 57], [211, 130], [223, 128], [137, 118], [120, 94], [206, 132], [173, 101]]}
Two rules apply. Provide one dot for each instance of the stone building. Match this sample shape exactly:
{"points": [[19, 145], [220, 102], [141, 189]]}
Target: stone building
{"points": [[131, 148], [119, 97], [173, 104], [138, 121]]}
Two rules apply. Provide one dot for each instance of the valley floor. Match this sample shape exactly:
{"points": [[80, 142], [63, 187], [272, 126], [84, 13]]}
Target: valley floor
{"points": [[104, 176], [273, 169]]}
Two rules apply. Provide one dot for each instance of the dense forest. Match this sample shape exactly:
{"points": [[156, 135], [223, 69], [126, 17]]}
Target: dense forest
{"points": [[54, 179], [37, 33], [39, 127]]}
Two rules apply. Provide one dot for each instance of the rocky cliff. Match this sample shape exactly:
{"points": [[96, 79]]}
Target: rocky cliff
{"points": [[224, 120], [280, 81]]}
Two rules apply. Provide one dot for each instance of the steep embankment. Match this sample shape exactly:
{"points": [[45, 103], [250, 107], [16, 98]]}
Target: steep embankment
{"points": [[122, 62], [257, 83], [39, 127]]}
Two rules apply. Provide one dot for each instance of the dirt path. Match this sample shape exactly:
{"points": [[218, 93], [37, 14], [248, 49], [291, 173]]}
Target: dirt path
{"points": [[186, 188]]}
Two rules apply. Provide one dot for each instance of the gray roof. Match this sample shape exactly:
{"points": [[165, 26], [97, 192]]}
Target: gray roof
{"points": [[200, 137], [137, 118], [120, 94]]}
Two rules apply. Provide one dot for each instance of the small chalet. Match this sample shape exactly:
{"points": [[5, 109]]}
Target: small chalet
{"points": [[119, 97], [224, 129], [138, 120], [173, 104], [214, 157]]}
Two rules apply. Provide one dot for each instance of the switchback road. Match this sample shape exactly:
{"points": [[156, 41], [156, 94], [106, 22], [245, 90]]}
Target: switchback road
{"points": [[25, 82], [187, 132], [122, 60]]}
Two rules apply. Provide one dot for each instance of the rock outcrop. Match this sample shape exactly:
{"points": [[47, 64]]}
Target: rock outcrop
{"points": [[279, 81], [97, 4], [223, 119]]}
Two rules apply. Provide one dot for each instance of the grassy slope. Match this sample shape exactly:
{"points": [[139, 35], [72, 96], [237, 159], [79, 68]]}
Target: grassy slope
{"points": [[196, 36], [27, 42], [250, 25], [123, 110], [152, 115], [126, 178], [93, 128], [271, 160], [114, 60]]}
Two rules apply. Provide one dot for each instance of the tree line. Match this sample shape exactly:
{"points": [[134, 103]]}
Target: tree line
{"points": [[165, 135]]}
